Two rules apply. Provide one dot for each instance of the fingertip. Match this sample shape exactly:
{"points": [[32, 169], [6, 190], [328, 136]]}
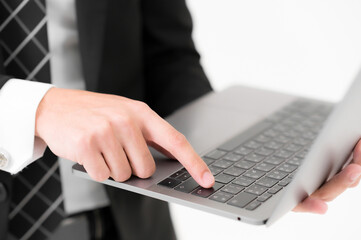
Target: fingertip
{"points": [[322, 207], [356, 183], [353, 172], [207, 179]]}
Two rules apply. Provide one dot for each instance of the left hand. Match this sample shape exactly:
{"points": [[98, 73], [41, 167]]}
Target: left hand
{"points": [[347, 178]]}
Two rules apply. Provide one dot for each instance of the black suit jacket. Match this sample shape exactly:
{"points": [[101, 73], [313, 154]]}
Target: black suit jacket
{"points": [[141, 49]]}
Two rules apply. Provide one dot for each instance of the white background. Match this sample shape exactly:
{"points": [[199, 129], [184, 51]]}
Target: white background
{"points": [[306, 47]]}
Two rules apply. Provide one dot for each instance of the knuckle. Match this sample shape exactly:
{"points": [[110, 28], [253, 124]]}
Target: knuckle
{"points": [[102, 130], [83, 141], [124, 121], [178, 140], [141, 106]]}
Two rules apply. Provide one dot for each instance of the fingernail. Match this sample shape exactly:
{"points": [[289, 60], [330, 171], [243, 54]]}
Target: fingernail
{"points": [[208, 178], [355, 176]]}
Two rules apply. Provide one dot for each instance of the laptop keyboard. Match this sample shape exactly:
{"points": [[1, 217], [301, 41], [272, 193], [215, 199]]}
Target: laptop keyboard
{"points": [[258, 163]]}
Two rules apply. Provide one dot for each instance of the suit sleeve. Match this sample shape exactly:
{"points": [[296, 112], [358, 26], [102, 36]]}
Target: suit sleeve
{"points": [[173, 72]]}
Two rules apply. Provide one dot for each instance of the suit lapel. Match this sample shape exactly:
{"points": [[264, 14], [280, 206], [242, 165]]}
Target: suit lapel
{"points": [[91, 18]]}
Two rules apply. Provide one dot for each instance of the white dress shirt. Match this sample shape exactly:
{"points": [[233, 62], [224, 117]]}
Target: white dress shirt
{"points": [[19, 100]]}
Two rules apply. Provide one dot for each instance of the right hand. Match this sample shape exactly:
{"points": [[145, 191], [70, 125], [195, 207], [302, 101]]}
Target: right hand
{"points": [[109, 134]]}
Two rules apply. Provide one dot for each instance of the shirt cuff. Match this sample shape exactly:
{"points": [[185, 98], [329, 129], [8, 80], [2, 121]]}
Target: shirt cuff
{"points": [[19, 100]]}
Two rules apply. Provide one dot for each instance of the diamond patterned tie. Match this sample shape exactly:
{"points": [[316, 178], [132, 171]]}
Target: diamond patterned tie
{"points": [[37, 201]]}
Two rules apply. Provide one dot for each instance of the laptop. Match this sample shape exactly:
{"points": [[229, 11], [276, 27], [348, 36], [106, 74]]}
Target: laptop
{"points": [[268, 151]]}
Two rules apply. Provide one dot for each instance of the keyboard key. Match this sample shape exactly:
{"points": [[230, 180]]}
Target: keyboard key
{"points": [[271, 133], [254, 157], [292, 133], [278, 116], [264, 151], [244, 164], [275, 189], [308, 109], [264, 197], [206, 192], [232, 157], [319, 118], [187, 186], [215, 170], [302, 154], [282, 139], [232, 189], [297, 117], [254, 174], [243, 181], [293, 147], [234, 171], [273, 145], [316, 129], [309, 135], [289, 122], [256, 189], [169, 182], [282, 128], [267, 182], [216, 154], [278, 175], [252, 206], [283, 153], [285, 182], [265, 167], [240, 139], [301, 141], [223, 178], [295, 161], [301, 128], [292, 174], [208, 161], [184, 176], [252, 144], [243, 151], [242, 199], [274, 160], [288, 168], [221, 197], [309, 123], [222, 164]]}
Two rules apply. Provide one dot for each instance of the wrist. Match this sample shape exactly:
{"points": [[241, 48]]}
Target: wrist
{"points": [[42, 109]]}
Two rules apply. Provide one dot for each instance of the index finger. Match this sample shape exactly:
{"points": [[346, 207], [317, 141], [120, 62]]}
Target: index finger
{"points": [[161, 133]]}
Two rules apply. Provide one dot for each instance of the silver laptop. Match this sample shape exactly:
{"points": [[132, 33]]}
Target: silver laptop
{"points": [[268, 151]]}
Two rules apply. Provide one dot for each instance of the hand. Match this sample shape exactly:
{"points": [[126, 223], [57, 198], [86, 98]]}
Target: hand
{"points": [[109, 135], [348, 177]]}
